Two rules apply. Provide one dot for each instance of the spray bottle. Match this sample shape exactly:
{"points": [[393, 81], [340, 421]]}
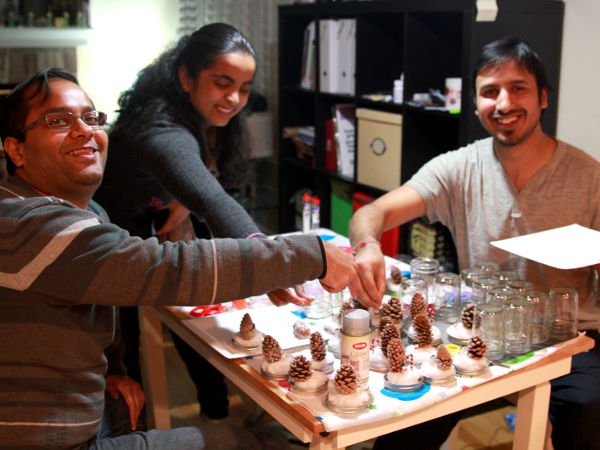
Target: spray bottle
{"points": [[355, 342]]}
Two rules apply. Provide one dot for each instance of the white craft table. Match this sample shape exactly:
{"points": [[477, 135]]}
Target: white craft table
{"points": [[530, 383]]}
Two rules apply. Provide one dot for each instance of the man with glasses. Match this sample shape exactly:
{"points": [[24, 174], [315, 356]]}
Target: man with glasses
{"points": [[64, 267]]}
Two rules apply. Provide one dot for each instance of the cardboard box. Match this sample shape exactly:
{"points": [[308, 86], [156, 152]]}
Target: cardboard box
{"points": [[379, 148]]}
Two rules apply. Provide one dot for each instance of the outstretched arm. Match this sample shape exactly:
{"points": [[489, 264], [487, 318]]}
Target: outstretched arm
{"points": [[366, 227]]}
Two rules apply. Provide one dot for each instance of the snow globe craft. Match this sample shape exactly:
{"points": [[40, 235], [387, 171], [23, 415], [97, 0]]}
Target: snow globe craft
{"points": [[248, 338], [303, 379], [378, 359], [460, 332], [402, 375], [471, 360], [439, 369], [322, 360], [418, 305], [276, 364], [345, 394], [423, 349]]}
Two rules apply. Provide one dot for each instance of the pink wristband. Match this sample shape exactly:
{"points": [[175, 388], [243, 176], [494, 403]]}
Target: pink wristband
{"points": [[361, 244]]}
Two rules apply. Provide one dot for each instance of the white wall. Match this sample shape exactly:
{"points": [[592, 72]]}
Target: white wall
{"points": [[579, 95], [128, 34]]}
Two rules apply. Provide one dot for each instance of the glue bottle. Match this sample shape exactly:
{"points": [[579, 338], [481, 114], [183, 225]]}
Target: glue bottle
{"points": [[306, 201], [355, 341], [316, 214]]}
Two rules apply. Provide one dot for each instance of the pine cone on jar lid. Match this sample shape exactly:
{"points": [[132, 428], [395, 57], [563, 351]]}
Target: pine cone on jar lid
{"points": [[477, 347], [247, 327], [396, 274], [389, 332], [418, 305], [300, 369], [470, 314], [345, 380], [317, 346], [422, 327], [271, 349], [396, 355], [393, 310], [443, 359]]}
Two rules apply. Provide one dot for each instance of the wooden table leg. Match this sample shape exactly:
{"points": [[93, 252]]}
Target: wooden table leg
{"points": [[154, 373], [324, 443], [532, 417]]}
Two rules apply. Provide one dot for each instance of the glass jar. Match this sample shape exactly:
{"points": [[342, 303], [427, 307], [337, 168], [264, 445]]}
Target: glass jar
{"points": [[425, 269]]}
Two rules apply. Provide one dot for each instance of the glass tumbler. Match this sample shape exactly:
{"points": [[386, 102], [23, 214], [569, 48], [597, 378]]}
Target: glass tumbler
{"points": [[492, 329], [517, 332], [321, 306], [500, 295], [467, 276], [564, 308], [488, 268], [539, 319], [520, 285], [505, 276], [480, 288], [446, 296], [425, 269]]}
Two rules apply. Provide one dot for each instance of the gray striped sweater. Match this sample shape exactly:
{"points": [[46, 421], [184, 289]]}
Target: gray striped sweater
{"points": [[62, 271]]}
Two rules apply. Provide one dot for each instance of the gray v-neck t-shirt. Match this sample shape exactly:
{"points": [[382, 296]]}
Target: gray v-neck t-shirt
{"points": [[468, 191]]}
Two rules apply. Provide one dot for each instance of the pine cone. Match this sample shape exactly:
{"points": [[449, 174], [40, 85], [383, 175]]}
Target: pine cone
{"points": [[388, 333], [422, 328], [396, 355], [345, 380], [345, 307], [395, 274], [383, 322], [357, 305], [271, 349], [477, 347], [418, 305], [393, 310], [300, 368], [317, 346], [468, 313], [247, 327], [443, 359]]}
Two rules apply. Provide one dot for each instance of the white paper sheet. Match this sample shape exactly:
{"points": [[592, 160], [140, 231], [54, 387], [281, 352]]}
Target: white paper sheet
{"points": [[218, 330], [567, 247]]}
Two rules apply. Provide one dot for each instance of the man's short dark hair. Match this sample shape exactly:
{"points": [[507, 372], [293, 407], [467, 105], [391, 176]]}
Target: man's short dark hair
{"points": [[499, 52], [15, 106]]}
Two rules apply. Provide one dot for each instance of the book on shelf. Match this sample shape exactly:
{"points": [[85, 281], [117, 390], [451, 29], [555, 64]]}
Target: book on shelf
{"points": [[307, 79], [344, 120], [329, 53], [347, 56], [330, 147]]}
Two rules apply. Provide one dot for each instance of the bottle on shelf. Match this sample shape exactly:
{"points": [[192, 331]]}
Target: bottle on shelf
{"points": [[315, 219], [306, 212]]}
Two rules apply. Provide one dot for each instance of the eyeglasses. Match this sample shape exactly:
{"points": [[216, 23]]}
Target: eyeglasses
{"points": [[65, 120]]}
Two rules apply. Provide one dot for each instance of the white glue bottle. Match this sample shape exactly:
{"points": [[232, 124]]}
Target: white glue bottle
{"points": [[355, 342], [306, 203]]}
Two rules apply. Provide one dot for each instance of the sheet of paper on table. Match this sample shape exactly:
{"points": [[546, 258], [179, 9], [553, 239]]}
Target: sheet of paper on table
{"points": [[568, 247], [219, 329]]}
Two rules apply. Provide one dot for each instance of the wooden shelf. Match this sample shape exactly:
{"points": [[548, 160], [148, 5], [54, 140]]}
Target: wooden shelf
{"points": [[40, 37]]}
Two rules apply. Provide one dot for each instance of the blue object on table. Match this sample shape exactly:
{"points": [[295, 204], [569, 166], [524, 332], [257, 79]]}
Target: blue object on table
{"points": [[326, 237], [299, 314], [407, 396], [510, 420]]}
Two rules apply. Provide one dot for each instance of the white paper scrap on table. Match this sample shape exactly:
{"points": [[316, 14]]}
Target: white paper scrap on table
{"points": [[568, 247], [218, 330]]}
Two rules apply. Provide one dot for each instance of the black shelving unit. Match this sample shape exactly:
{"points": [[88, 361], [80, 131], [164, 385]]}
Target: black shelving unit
{"points": [[427, 40]]}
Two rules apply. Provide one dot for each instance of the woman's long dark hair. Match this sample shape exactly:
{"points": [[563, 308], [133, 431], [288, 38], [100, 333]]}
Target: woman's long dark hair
{"points": [[157, 97]]}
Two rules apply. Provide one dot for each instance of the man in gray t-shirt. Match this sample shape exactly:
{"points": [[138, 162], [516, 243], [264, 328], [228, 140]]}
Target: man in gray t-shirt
{"points": [[518, 181]]}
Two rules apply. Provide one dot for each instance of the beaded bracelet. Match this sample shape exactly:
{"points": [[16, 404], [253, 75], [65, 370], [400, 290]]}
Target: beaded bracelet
{"points": [[361, 244]]}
